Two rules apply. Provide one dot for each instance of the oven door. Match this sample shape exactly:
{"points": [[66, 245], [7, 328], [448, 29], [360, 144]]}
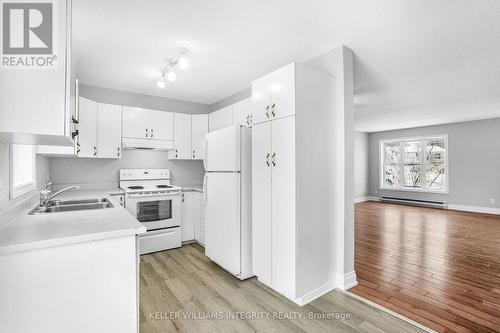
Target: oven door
{"points": [[155, 211]]}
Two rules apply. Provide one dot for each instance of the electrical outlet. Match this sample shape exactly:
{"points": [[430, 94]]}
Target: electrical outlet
{"points": [[492, 201]]}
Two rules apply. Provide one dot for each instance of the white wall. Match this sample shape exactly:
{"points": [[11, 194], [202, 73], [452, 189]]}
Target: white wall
{"points": [[4, 175], [474, 163], [361, 165], [339, 63], [239, 96], [111, 96], [105, 172]]}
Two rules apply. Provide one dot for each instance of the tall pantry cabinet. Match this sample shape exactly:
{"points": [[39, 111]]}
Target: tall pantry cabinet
{"points": [[293, 223]]}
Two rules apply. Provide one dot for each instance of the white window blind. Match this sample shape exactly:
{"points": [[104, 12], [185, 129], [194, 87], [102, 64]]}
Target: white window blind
{"points": [[418, 164], [22, 169]]}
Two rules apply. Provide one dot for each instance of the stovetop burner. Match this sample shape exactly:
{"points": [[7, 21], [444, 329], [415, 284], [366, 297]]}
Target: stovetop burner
{"points": [[136, 187], [164, 186]]}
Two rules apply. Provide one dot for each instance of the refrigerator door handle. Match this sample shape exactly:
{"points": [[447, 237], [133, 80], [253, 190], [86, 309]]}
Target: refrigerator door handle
{"points": [[205, 196], [205, 154]]}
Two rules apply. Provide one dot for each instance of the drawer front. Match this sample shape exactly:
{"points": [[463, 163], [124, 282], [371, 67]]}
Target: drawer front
{"points": [[160, 240]]}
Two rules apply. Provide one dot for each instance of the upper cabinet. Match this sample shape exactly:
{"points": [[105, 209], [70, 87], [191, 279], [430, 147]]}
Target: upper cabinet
{"points": [[147, 124], [242, 112], [87, 128], [100, 131], [37, 104], [189, 136], [239, 113], [220, 118], [199, 128], [135, 123], [161, 125], [273, 96], [182, 137], [109, 131]]}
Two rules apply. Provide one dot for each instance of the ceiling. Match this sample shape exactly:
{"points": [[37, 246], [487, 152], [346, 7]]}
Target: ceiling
{"points": [[417, 62]]}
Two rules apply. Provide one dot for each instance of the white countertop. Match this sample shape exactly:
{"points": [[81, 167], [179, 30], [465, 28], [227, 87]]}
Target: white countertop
{"points": [[188, 188], [21, 232]]}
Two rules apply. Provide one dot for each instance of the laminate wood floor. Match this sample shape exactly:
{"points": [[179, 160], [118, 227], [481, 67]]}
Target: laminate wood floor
{"points": [[440, 268], [183, 291]]}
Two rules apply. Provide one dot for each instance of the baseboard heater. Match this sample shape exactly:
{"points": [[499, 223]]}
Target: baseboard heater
{"points": [[414, 202]]}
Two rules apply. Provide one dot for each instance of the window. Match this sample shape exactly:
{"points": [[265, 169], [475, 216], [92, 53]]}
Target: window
{"points": [[415, 164], [22, 170]]}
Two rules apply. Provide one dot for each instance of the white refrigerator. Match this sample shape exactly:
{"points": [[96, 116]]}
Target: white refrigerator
{"points": [[228, 199]]}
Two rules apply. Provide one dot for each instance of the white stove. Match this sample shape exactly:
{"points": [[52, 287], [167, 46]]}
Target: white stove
{"points": [[156, 203]]}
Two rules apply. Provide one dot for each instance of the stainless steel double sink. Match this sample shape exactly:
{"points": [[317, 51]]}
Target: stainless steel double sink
{"points": [[71, 205]]}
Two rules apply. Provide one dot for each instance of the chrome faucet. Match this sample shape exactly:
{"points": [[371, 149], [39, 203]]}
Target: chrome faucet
{"points": [[45, 198]]}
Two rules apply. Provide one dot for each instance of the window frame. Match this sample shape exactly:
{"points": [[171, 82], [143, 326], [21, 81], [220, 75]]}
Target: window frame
{"points": [[15, 193], [423, 164]]}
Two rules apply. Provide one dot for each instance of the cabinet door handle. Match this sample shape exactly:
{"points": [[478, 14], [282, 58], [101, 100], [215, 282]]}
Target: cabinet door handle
{"points": [[267, 159], [118, 151], [147, 132], [273, 159], [152, 133], [194, 153], [95, 151], [267, 111], [121, 201], [182, 197], [176, 155]]}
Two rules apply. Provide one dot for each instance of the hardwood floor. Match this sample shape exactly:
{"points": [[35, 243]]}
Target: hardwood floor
{"points": [[440, 268], [184, 282]]}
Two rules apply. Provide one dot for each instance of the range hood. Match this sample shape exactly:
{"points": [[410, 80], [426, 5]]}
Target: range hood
{"points": [[131, 143]]}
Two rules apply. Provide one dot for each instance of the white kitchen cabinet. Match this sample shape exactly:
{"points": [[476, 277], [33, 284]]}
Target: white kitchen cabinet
{"points": [[199, 128], [220, 118], [273, 96], [261, 198], [283, 204], [79, 281], [119, 197], [261, 99], [142, 123], [273, 153], [199, 222], [292, 196], [87, 128], [135, 122], [242, 112], [182, 137], [99, 129], [161, 125], [109, 130], [188, 212], [37, 104]]}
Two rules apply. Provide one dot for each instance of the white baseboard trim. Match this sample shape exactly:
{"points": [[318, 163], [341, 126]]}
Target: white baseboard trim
{"points": [[347, 281], [475, 209], [316, 293], [363, 199], [378, 306]]}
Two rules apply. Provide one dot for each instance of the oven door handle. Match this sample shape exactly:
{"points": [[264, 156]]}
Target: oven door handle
{"points": [[145, 196]]}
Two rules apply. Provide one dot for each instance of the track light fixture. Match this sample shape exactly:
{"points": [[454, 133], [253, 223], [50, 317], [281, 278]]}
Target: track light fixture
{"points": [[167, 73]]}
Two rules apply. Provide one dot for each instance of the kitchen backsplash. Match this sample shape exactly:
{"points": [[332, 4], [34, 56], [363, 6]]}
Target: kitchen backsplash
{"points": [[105, 172]]}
